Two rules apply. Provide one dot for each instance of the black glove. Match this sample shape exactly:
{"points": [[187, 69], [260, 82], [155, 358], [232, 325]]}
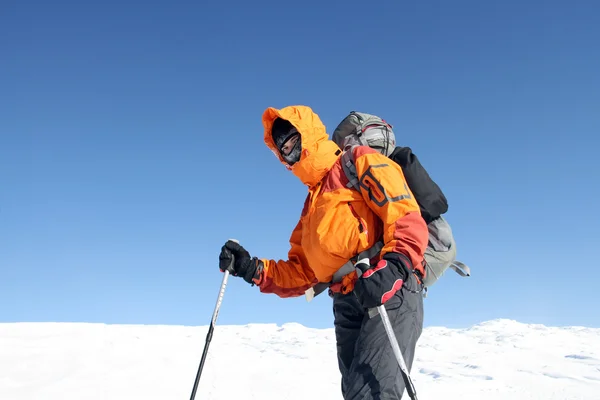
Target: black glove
{"points": [[377, 284], [243, 265]]}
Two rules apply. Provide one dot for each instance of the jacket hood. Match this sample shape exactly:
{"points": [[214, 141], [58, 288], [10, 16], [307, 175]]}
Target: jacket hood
{"points": [[319, 153]]}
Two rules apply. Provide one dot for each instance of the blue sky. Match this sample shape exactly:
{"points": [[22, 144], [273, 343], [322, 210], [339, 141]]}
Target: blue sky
{"points": [[131, 149]]}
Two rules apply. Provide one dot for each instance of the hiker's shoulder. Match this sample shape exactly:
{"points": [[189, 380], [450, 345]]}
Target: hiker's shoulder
{"points": [[359, 151]]}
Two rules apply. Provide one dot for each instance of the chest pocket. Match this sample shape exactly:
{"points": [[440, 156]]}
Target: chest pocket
{"points": [[341, 227]]}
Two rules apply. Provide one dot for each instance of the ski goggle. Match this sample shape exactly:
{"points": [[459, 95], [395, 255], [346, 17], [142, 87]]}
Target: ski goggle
{"points": [[288, 145]]}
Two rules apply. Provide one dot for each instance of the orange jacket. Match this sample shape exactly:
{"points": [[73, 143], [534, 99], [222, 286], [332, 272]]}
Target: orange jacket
{"points": [[338, 222]]}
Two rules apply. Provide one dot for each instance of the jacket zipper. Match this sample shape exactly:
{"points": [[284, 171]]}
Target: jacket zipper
{"points": [[361, 227]]}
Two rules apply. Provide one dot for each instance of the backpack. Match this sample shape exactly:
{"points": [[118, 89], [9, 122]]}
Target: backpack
{"points": [[361, 129]]}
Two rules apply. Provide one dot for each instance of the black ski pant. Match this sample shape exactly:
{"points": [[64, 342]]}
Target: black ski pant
{"points": [[366, 360]]}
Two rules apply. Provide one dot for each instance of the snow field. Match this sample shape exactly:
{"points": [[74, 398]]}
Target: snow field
{"points": [[500, 359]]}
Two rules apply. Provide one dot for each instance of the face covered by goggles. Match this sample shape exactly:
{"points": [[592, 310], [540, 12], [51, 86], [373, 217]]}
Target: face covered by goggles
{"points": [[289, 144]]}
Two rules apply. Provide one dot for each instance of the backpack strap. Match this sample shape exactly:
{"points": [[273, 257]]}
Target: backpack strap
{"points": [[349, 168], [320, 287], [344, 270], [461, 268]]}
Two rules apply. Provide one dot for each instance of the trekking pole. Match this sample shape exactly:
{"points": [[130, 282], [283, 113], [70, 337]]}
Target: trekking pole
{"points": [[212, 326], [410, 388]]}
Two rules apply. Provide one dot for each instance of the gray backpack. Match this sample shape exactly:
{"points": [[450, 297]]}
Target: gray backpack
{"points": [[361, 129]]}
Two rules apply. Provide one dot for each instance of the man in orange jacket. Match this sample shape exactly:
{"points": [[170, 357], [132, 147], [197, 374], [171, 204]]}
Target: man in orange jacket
{"points": [[336, 225]]}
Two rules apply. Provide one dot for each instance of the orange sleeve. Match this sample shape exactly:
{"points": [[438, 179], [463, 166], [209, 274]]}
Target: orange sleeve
{"points": [[384, 188], [289, 278]]}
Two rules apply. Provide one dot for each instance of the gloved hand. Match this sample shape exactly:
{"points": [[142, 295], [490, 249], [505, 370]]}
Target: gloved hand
{"points": [[243, 265], [377, 284]]}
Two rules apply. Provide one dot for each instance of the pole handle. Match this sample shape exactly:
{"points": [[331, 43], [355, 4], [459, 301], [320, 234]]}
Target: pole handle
{"points": [[230, 268]]}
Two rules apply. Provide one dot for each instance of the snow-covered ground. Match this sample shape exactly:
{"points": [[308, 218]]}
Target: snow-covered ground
{"points": [[499, 359]]}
